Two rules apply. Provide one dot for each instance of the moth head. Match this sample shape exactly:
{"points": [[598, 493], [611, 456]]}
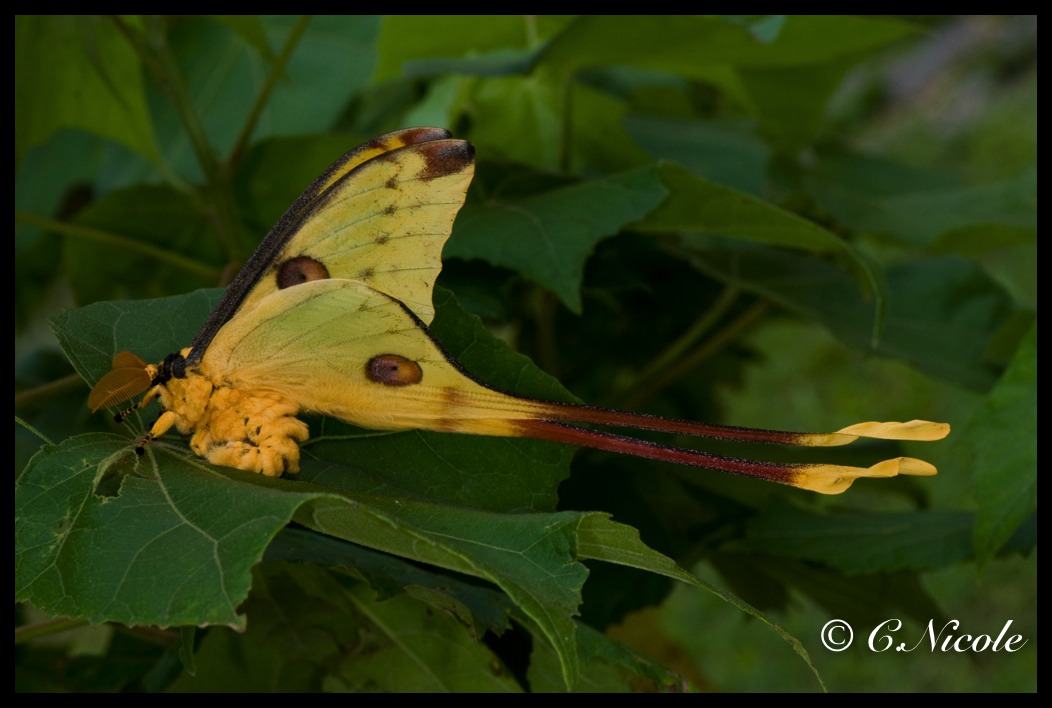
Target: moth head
{"points": [[130, 377]]}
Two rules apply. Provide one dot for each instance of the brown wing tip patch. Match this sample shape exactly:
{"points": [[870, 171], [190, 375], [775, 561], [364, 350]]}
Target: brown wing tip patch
{"points": [[402, 138], [445, 157], [299, 270], [413, 136]]}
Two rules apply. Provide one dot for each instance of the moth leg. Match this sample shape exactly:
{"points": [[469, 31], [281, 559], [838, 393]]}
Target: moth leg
{"points": [[146, 400], [162, 425]]}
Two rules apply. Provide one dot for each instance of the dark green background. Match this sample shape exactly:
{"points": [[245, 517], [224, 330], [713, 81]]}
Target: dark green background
{"points": [[787, 222]]}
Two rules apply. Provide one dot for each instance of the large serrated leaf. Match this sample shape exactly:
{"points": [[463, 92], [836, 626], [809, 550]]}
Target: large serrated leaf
{"points": [[857, 543], [549, 236], [391, 500], [1003, 436], [171, 543], [689, 44], [94, 82], [941, 315]]}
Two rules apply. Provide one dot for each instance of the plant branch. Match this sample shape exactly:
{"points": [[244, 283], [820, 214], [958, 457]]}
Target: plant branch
{"points": [[123, 242], [277, 70]]}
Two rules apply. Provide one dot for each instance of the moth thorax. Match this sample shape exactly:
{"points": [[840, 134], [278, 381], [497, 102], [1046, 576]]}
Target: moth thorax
{"points": [[173, 367]]}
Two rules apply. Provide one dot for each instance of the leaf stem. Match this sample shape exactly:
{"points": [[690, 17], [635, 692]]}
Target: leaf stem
{"points": [[153, 47], [532, 35], [29, 632], [542, 306], [719, 340], [677, 349], [128, 244], [277, 70], [46, 391]]}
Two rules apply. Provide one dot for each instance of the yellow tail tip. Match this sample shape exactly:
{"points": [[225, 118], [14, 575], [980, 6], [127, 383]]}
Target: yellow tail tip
{"points": [[924, 430], [834, 479]]}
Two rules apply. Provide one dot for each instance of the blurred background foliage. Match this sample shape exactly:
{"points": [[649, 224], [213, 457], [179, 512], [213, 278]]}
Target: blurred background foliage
{"points": [[771, 221]]}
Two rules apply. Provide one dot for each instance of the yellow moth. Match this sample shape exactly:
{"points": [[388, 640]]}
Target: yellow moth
{"points": [[330, 315]]}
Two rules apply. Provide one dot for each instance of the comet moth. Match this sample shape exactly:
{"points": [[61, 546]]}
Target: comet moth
{"points": [[330, 315]]}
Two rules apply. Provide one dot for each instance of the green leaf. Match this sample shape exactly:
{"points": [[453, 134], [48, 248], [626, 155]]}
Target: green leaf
{"points": [[687, 45], [606, 667], [167, 551], [858, 543], [53, 181], [312, 95], [549, 236], [600, 538], [410, 38], [311, 630], [531, 557], [726, 153], [93, 79], [385, 501], [786, 79], [165, 541], [527, 107], [250, 28], [297, 631], [698, 205], [921, 210], [91, 335], [224, 73], [140, 241], [523, 119], [605, 663], [942, 313], [743, 662], [791, 102], [1003, 439], [416, 649], [501, 62], [481, 609]]}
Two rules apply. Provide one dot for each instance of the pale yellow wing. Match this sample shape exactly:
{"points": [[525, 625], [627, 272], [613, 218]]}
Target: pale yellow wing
{"points": [[342, 348], [381, 215], [382, 222]]}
